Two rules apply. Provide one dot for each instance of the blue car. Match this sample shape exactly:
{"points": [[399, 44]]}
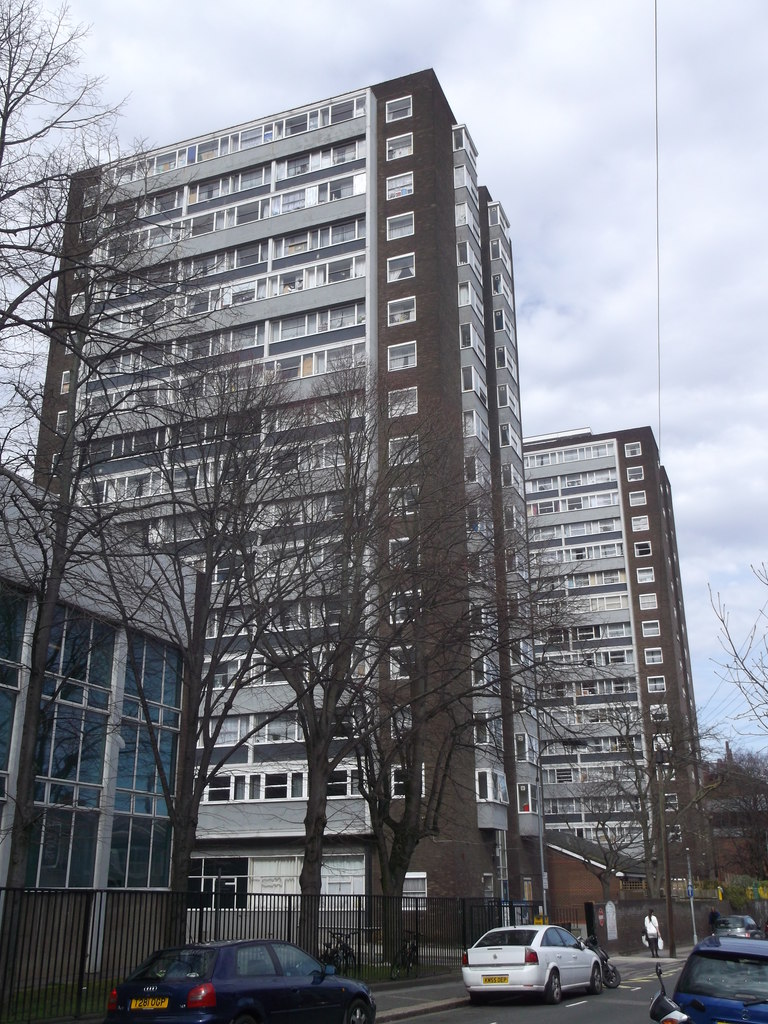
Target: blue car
{"points": [[247, 982], [725, 979]]}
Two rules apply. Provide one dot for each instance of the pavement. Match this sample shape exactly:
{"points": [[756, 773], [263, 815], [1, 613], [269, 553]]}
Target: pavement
{"points": [[412, 997]]}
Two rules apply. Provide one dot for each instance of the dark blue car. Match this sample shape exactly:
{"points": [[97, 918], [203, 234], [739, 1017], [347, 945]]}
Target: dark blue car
{"points": [[248, 982], [725, 979]]}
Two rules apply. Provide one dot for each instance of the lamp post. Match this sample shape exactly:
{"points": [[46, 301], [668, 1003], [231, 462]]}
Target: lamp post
{"points": [[540, 816], [690, 895], [542, 864], [665, 853]]}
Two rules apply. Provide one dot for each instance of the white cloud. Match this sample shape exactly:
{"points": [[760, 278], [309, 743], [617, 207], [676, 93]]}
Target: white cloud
{"points": [[559, 98]]}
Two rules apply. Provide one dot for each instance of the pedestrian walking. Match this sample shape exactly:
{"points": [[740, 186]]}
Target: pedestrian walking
{"points": [[651, 927], [714, 916]]}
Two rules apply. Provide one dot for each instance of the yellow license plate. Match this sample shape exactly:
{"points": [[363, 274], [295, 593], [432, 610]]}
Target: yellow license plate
{"points": [[150, 1003], [495, 979]]}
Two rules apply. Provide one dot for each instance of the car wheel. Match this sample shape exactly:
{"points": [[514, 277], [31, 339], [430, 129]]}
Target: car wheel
{"points": [[596, 980], [553, 991], [359, 1013], [247, 1020], [476, 998], [611, 977]]}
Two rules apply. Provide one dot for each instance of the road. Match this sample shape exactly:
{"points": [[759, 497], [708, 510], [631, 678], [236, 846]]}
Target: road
{"points": [[627, 1004]]}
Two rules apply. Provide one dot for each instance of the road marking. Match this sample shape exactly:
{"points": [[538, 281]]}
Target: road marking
{"points": [[581, 1002]]}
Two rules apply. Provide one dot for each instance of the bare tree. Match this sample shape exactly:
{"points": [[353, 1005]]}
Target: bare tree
{"points": [[52, 124], [739, 813], [91, 285], [201, 506], [746, 657]]}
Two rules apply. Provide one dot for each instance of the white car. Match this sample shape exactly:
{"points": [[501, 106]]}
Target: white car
{"points": [[530, 958]]}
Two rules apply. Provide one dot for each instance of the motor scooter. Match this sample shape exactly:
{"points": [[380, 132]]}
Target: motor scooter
{"points": [[665, 1010], [611, 976]]}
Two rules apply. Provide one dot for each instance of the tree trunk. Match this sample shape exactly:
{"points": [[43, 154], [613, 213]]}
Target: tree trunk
{"points": [[310, 879], [25, 813], [184, 833]]}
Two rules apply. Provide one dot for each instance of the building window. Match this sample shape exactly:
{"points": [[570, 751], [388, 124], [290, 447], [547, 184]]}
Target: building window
{"points": [[403, 402], [633, 449], [498, 319], [276, 785], [415, 890], [400, 185], [399, 665], [527, 798], [400, 780], [658, 714], [635, 473], [651, 628], [648, 601], [646, 576], [403, 501], [643, 549], [401, 311], [505, 435], [61, 422], [653, 656], [400, 268], [656, 684], [637, 498], [399, 226], [399, 146], [401, 357], [403, 450], [65, 379], [492, 786], [399, 108], [640, 523]]}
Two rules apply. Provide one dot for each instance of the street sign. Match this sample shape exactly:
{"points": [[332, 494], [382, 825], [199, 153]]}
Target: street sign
{"points": [[690, 892]]}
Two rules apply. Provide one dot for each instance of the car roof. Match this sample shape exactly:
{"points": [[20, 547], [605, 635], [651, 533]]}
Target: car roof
{"points": [[523, 928], [731, 944], [218, 944]]}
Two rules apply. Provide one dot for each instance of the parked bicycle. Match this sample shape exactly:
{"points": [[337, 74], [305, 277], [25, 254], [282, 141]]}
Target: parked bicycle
{"points": [[339, 953], [408, 958]]}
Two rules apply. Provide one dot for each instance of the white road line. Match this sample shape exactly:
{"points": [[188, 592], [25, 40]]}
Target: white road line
{"points": [[581, 1002]]}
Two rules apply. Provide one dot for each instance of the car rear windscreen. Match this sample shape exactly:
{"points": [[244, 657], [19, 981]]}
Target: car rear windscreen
{"points": [[177, 965], [518, 937], [726, 976]]}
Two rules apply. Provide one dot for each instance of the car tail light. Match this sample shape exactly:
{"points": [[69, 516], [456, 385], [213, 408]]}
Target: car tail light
{"points": [[112, 1004], [202, 996], [531, 956], [464, 959]]}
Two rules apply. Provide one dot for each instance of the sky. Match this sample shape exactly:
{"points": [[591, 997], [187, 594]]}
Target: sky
{"points": [[559, 97]]}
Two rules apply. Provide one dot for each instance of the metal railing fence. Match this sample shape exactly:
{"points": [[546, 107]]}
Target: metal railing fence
{"points": [[62, 950]]}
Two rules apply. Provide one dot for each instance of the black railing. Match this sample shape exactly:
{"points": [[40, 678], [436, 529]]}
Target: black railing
{"points": [[61, 951]]}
